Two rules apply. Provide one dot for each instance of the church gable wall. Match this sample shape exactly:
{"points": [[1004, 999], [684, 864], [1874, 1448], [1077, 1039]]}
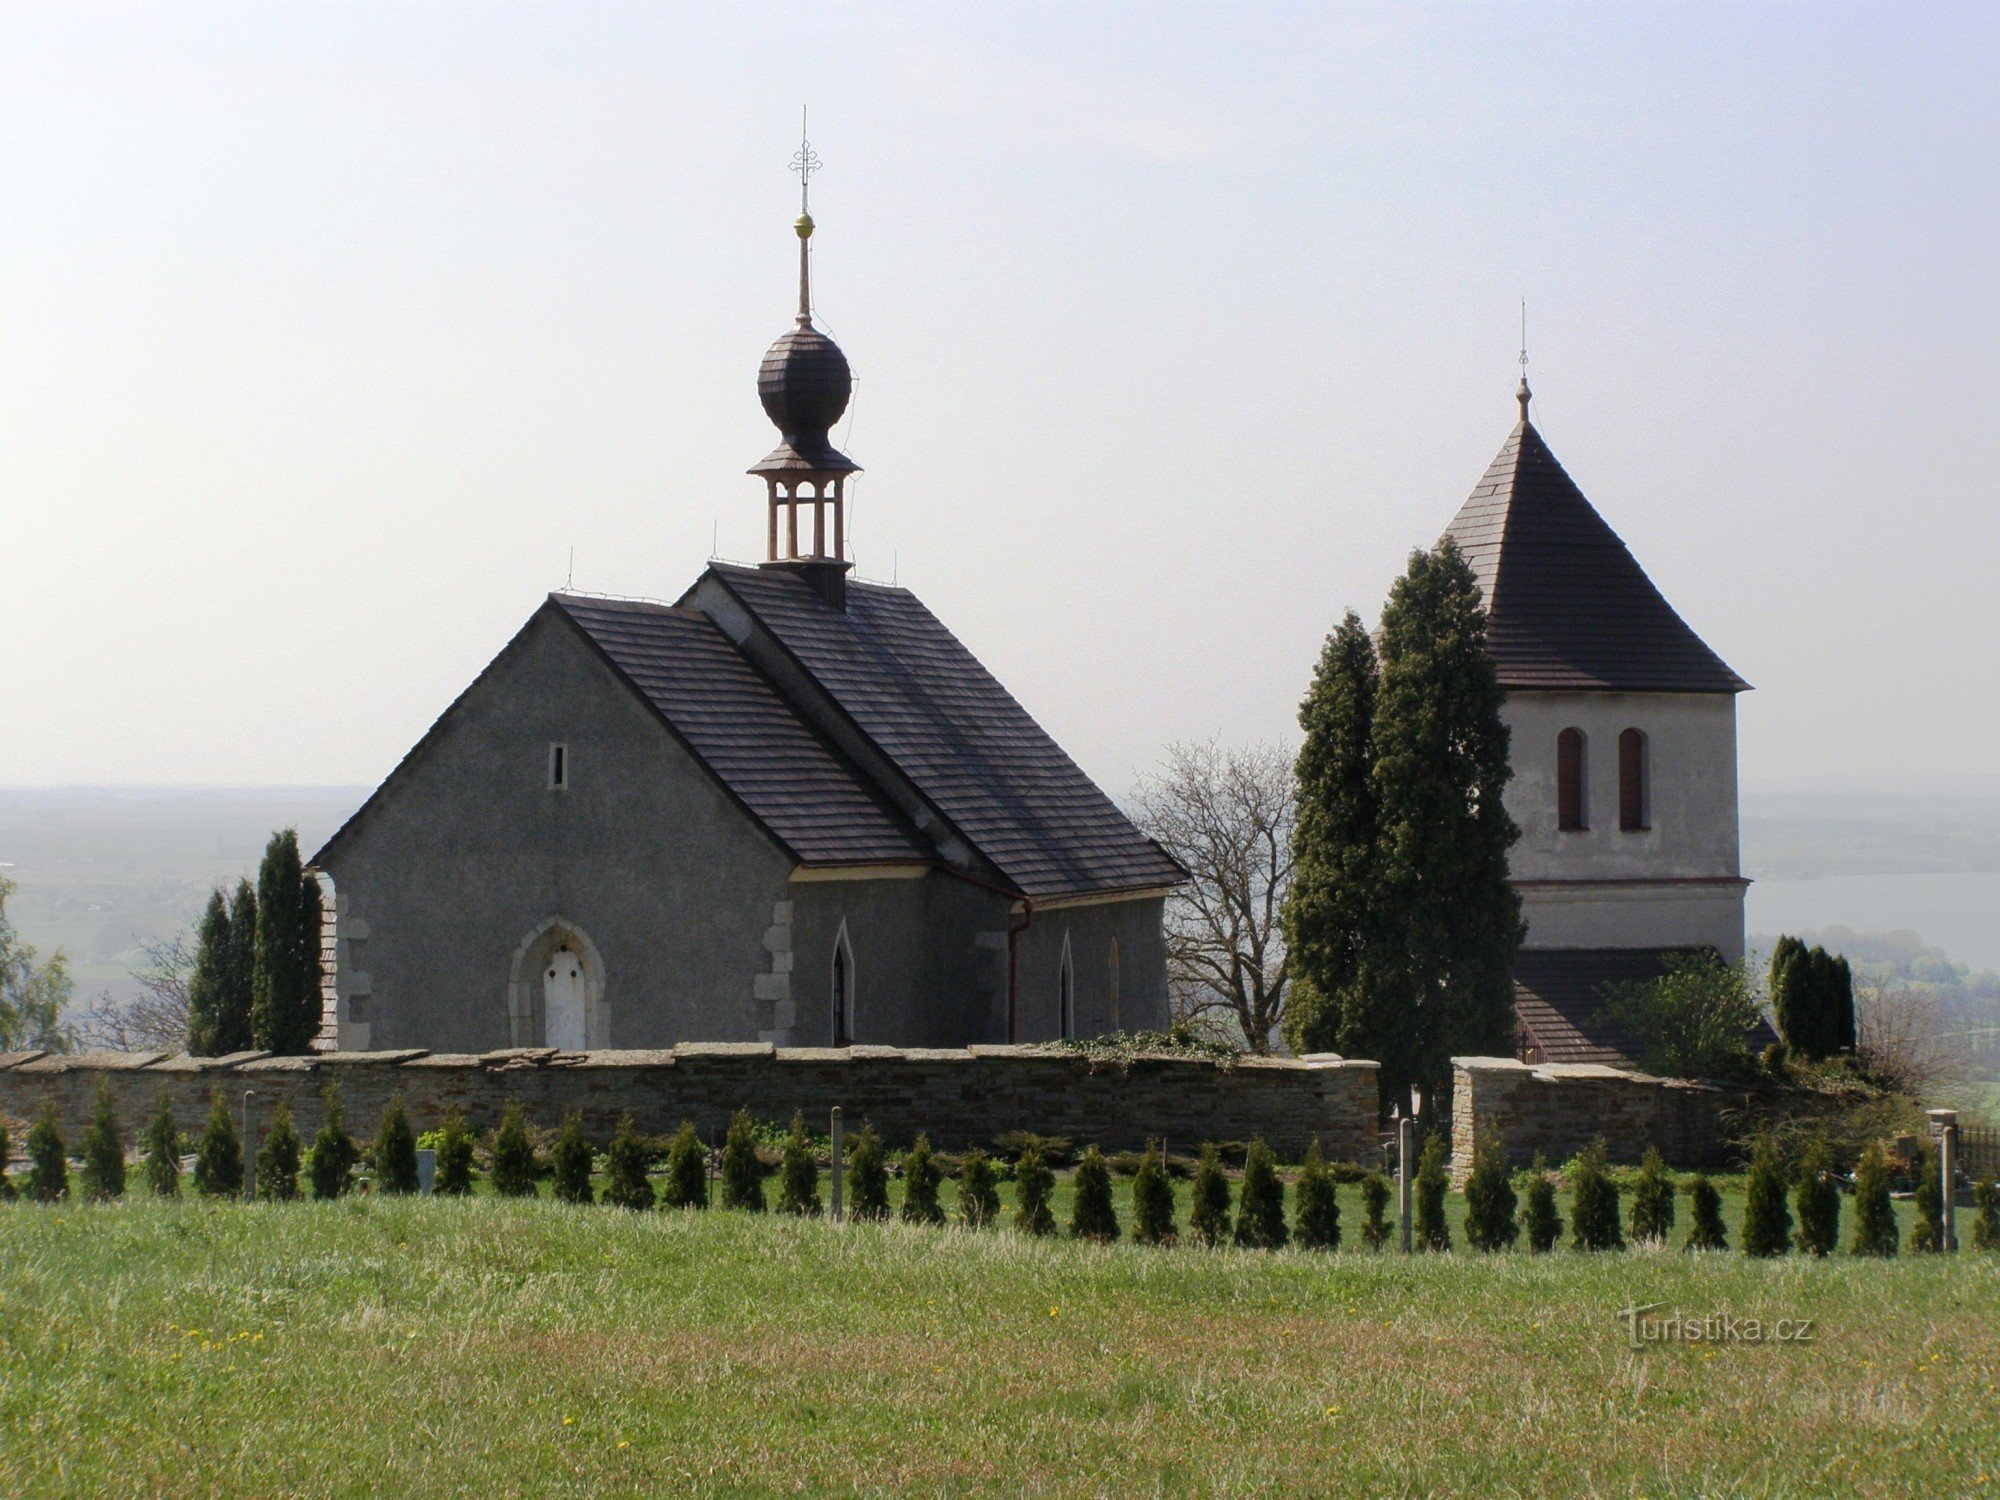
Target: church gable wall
{"points": [[1090, 930]]}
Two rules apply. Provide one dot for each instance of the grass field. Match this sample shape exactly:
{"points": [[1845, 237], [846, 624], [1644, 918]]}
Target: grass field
{"points": [[379, 1346]]}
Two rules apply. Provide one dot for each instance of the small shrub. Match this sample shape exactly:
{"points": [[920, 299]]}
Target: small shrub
{"points": [[1260, 1202], [1767, 1222], [1152, 1200], [921, 1176], [1705, 1231], [513, 1159], [1652, 1201], [867, 1176], [1208, 1213], [1033, 1183], [218, 1161], [1543, 1220], [1875, 1231], [395, 1150], [6, 1148], [330, 1170], [1986, 1222], [1315, 1205], [978, 1197], [104, 1149], [742, 1173], [1433, 1232], [798, 1171], [1927, 1233], [570, 1163], [1817, 1199], [1489, 1196], [48, 1163], [625, 1161], [1593, 1213], [1092, 1215], [163, 1151], [687, 1171], [454, 1157], [278, 1157], [1375, 1210]]}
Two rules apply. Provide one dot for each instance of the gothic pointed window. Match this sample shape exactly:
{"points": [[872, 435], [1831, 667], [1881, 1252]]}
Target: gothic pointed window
{"points": [[1066, 986], [843, 990], [1112, 979], [1572, 807], [1634, 794]]}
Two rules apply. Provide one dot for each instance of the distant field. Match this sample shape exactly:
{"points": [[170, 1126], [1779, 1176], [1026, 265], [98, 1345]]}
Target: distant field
{"points": [[503, 1348]]}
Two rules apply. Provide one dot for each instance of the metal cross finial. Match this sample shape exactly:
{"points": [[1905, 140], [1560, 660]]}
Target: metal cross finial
{"points": [[1523, 395], [805, 162]]}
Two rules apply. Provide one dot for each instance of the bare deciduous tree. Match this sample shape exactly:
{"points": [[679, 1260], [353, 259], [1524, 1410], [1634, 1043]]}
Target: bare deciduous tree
{"points": [[1226, 815], [158, 1020], [1899, 1037]]}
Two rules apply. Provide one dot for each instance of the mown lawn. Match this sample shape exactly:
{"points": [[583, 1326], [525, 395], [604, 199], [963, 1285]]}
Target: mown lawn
{"points": [[378, 1346]]}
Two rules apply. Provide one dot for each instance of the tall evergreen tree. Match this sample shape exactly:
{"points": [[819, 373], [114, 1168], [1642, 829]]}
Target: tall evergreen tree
{"points": [[1767, 1221], [1705, 1231], [1875, 1231], [285, 1003], [104, 1149], [1787, 998], [1489, 1196], [570, 1161], [1152, 1199], [278, 1157], [1330, 911], [1840, 1005], [209, 1022], [1315, 1206], [218, 1160], [1817, 1200], [48, 1162], [798, 1171], [978, 1197], [240, 979], [163, 1151]]}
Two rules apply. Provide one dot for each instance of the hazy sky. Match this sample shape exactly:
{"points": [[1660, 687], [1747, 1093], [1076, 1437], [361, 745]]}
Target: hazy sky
{"points": [[326, 332]]}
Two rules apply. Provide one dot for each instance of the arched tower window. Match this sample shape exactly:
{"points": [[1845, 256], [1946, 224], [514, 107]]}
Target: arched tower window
{"points": [[1111, 1001], [1572, 808], [1635, 793], [1066, 987], [843, 990]]}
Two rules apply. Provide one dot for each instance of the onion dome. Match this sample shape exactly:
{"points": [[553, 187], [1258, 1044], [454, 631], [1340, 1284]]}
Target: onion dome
{"points": [[805, 384]]}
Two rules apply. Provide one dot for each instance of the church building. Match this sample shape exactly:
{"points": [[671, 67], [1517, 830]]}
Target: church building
{"points": [[790, 807], [1623, 726]]}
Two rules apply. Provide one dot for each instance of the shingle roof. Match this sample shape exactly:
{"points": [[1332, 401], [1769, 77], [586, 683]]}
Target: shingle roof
{"points": [[1568, 606], [961, 739], [789, 778], [1562, 1006]]}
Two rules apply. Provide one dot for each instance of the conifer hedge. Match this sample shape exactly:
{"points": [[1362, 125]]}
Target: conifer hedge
{"points": [[687, 1171], [1817, 1199], [48, 1163], [1208, 1213], [1593, 1213], [1705, 1231], [1433, 1230], [163, 1151], [1543, 1220], [921, 1176], [1092, 1214], [218, 1161], [1652, 1201], [742, 1172], [1767, 1221], [1033, 1184], [330, 1167], [1260, 1202], [570, 1161], [512, 1164], [1927, 1233], [1375, 1210], [454, 1156], [798, 1171], [1986, 1221], [1315, 1205], [395, 1150], [103, 1149], [1152, 1200], [867, 1176], [1489, 1196], [626, 1159], [278, 1157], [1875, 1230], [978, 1195]]}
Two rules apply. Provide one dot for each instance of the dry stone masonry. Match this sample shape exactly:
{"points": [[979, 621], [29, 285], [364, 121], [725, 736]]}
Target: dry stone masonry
{"points": [[1560, 1108]]}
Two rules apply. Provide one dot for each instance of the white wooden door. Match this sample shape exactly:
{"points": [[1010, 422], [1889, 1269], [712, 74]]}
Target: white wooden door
{"points": [[562, 1002]]}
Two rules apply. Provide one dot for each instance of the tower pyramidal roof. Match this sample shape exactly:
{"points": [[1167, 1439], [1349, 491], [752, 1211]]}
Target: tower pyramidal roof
{"points": [[1568, 606]]}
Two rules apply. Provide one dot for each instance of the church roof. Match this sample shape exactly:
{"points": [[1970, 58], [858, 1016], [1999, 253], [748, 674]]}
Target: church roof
{"points": [[924, 701], [1562, 1002], [810, 798], [1568, 607]]}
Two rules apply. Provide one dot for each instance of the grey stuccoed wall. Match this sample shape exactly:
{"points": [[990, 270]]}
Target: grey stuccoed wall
{"points": [[958, 1096], [1558, 1109]]}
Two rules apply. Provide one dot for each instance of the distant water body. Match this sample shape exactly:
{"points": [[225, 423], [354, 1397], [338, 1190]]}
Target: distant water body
{"points": [[1958, 913]]}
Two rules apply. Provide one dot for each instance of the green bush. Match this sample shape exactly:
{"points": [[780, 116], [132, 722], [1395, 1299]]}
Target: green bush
{"points": [[1694, 1021], [570, 1161], [798, 1171], [687, 1171], [1489, 1196], [626, 1160], [218, 1160], [1817, 1199], [278, 1157], [103, 1149], [1543, 1221], [48, 1163], [163, 1151], [1927, 1233], [1033, 1184], [330, 1169], [513, 1158], [1260, 1202], [1652, 1201], [1375, 1210], [921, 1176], [1315, 1206], [1875, 1231], [742, 1173], [978, 1197], [1705, 1231], [395, 1150], [1152, 1200], [6, 1147], [1593, 1213], [1092, 1215], [454, 1157], [1767, 1221], [1986, 1222], [1433, 1232], [1208, 1213]]}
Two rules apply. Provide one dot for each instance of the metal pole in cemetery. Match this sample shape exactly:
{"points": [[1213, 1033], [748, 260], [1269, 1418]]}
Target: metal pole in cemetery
{"points": [[836, 1164], [1406, 1149], [249, 1148], [1944, 1125]]}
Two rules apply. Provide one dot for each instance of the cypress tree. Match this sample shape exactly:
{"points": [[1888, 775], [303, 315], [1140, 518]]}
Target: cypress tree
{"points": [[1375, 1210], [1330, 913], [1652, 1201], [454, 1156], [1705, 1231], [103, 1149], [278, 1157], [1152, 1200], [626, 1159], [1593, 1214], [1875, 1231], [1433, 1231], [1543, 1219], [921, 1176], [284, 1003], [1092, 1213], [1840, 1006], [1817, 1199], [867, 1176], [330, 1169], [208, 983], [1927, 1233], [163, 1151], [1986, 1223], [48, 1163], [395, 1150], [978, 1197], [570, 1161], [1033, 1183], [1208, 1211], [798, 1171], [1315, 1205], [742, 1173], [1767, 1222], [512, 1166], [218, 1160], [6, 1148], [1489, 1196], [240, 982], [1789, 999], [687, 1171]]}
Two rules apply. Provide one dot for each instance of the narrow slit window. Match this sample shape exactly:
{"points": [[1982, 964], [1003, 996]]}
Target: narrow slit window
{"points": [[1066, 984], [1572, 812], [558, 768], [1635, 813]]}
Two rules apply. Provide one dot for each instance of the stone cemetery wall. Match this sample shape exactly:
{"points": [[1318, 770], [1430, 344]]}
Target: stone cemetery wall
{"points": [[1560, 1108], [960, 1096]]}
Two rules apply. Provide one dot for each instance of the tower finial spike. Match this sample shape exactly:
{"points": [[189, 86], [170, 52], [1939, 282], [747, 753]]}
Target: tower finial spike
{"points": [[1524, 395], [805, 163]]}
